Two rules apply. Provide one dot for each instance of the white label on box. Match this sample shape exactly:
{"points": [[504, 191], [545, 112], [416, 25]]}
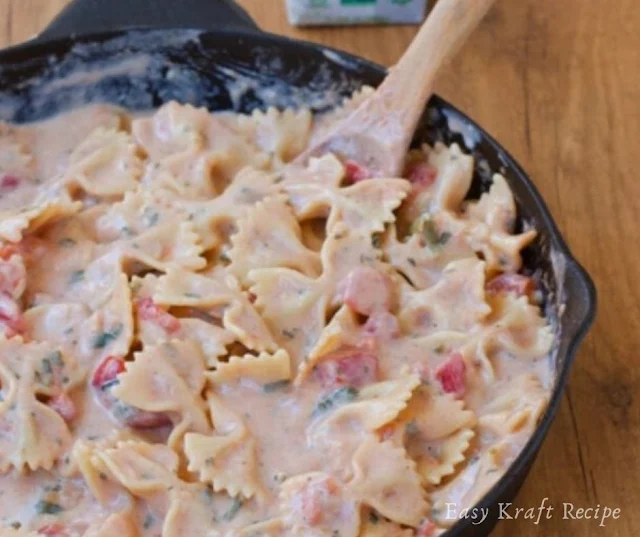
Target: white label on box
{"points": [[317, 12]]}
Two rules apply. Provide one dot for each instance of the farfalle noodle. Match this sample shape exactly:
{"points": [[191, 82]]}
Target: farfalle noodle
{"points": [[201, 335]]}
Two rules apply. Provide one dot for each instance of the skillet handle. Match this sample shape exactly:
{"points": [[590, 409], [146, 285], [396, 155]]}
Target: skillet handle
{"points": [[82, 17]]}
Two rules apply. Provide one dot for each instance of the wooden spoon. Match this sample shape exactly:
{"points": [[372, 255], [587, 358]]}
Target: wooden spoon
{"points": [[378, 133]]}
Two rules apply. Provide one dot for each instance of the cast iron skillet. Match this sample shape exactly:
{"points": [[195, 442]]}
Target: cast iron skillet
{"points": [[142, 53]]}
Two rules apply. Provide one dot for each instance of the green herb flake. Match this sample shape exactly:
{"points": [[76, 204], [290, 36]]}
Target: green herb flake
{"points": [[289, 334], [66, 242], [44, 507], [411, 261], [105, 338], [76, 277], [279, 477], [150, 217], [276, 386], [373, 517], [411, 429], [149, 520], [376, 240], [334, 399], [192, 295], [126, 231], [430, 233], [444, 238], [230, 513]]}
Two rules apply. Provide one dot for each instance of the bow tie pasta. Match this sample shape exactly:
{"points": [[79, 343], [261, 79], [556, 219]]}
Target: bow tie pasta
{"points": [[201, 336]]}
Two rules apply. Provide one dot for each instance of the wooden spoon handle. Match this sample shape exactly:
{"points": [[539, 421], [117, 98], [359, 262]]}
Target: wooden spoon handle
{"points": [[410, 83]]}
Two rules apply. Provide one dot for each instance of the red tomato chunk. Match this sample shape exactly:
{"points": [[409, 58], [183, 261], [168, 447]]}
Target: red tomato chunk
{"points": [[107, 371], [53, 530], [12, 276], [451, 375], [367, 290], [148, 310], [421, 175], [64, 405], [511, 283], [348, 367], [9, 182], [355, 172], [11, 319]]}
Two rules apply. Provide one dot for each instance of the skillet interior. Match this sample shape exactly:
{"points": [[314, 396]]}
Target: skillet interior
{"points": [[140, 70]]}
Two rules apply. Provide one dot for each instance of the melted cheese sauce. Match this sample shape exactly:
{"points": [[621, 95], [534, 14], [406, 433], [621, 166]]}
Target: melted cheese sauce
{"points": [[210, 339]]}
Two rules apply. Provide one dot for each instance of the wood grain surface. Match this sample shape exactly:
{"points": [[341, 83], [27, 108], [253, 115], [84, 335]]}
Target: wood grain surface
{"points": [[558, 83]]}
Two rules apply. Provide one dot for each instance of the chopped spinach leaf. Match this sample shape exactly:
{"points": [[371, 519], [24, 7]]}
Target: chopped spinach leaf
{"points": [[230, 513], [76, 276], [150, 217], [103, 339], [411, 429], [275, 386], [444, 238], [289, 333], [334, 399], [149, 520], [44, 507]]}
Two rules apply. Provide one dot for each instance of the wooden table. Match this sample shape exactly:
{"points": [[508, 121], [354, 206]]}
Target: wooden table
{"points": [[557, 82]]}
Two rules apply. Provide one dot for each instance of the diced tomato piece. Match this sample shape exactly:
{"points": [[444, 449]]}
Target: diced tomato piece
{"points": [[11, 319], [426, 529], [12, 277], [148, 310], [107, 371], [64, 405], [141, 419], [367, 290], [451, 375], [313, 499], [9, 182], [421, 175], [511, 283], [382, 325], [355, 172], [347, 367], [53, 530]]}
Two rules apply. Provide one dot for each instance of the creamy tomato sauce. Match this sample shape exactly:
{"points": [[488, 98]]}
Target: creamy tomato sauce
{"points": [[200, 337]]}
